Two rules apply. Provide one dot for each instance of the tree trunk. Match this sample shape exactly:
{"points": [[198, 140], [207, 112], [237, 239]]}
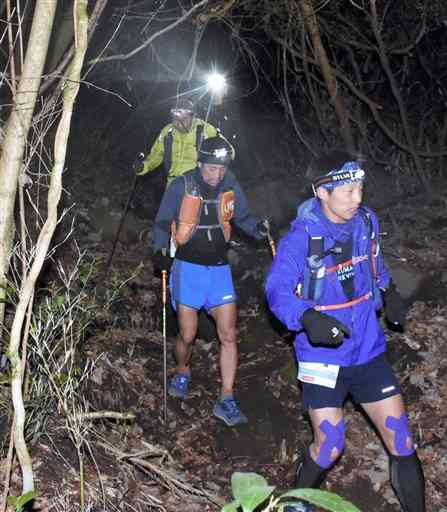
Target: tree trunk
{"points": [[71, 88], [16, 132], [311, 22]]}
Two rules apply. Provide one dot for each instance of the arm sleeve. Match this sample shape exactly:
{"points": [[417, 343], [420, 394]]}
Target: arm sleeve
{"points": [[167, 212], [156, 155], [242, 216], [285, 273]]}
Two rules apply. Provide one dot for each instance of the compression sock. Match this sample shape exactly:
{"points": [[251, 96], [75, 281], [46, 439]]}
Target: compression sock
{"points": [[407, 479]]}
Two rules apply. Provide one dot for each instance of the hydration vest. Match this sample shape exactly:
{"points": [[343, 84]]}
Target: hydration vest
{"points": [[169, 141], [191, 210], [315, 273]]}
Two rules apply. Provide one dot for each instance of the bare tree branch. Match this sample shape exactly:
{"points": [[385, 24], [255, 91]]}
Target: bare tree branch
{"points": [[59, 70], [177, 22]]}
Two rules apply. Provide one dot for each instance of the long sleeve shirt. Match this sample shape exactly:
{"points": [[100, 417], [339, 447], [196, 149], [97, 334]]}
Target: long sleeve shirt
{"points": [[202, 248], [184, 149], [287, 273]]}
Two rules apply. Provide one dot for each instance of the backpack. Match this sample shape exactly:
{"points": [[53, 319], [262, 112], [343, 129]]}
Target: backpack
{"points": [[315, 271], [169, 141]]}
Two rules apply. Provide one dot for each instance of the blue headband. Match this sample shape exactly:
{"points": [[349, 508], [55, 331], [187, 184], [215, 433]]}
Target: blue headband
{"points": [[350, 172]]}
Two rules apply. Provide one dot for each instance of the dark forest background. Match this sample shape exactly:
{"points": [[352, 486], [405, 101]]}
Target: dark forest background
{"points": [[303, 76]]}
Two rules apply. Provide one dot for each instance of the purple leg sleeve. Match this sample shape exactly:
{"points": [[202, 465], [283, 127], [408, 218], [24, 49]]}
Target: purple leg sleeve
{"points": [[335, 438], [402, 433]]}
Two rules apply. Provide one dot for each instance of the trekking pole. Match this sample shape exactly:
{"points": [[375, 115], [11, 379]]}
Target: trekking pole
{"points": [[164, 278], [269, 237], [137, 160]]}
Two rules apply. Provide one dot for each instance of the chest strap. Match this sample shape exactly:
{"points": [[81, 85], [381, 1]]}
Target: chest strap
{"points": [[353, 302]]}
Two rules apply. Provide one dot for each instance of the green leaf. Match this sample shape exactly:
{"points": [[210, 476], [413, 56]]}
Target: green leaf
{"points": [[231, 507], [26, 498], [19, 502], [250, 490], [323, 499]]}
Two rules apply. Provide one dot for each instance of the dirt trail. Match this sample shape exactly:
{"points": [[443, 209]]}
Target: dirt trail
{"points": [[187, 464]]}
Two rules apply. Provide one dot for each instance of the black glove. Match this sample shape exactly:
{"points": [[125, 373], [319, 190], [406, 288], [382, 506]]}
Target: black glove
{"points": [[138, 163], [395, 308], [161, 261], [264, 228], [323, 329]]}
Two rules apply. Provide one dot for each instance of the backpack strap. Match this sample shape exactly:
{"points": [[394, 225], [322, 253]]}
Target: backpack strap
{"points": [[199, 136], [192, 188], [167, 154], [373, 258], [374, 243], [315, 271]]}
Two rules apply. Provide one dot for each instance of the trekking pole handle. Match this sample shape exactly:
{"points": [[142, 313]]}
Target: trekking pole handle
{"points": [[269, 237], [164, 280]]}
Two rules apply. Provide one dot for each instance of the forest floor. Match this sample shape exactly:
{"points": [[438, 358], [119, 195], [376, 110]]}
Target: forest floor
{"points": [[186, 463]]}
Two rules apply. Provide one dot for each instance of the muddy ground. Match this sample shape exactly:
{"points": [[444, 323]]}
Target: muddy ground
{"points": [[186, 464]]}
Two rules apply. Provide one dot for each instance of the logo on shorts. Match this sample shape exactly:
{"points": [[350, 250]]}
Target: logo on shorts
{"points": [[388, 389], [227, 297]]}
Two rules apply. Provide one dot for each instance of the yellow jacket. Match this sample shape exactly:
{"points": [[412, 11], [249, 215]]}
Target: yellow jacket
{"points": [[184, 151]]}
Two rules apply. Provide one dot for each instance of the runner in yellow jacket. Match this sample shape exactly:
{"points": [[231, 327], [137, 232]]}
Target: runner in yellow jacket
{"points": [[176, 146]]}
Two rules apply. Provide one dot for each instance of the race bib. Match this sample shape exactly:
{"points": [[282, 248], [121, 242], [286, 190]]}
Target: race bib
{"points": [[318, 373]]}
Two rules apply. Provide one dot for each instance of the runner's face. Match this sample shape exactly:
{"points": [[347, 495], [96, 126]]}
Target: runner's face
{"points": [[183, 122], [212, 174], [342, 204]]}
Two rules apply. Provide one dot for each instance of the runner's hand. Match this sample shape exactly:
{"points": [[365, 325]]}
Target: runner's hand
{"points": [[323, 329], [265, 227], [161, 261], [138, 164], [395, 308]]}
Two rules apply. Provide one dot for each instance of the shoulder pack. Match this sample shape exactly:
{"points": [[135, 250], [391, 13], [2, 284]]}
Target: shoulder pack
{"points": [[191, 210], [169, 140], [315, 271]]}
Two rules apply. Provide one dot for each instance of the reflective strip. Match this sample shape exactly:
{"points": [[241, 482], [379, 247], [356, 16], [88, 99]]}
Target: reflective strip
{"points": [[353, 261], [339, 266], [208, 226], [354, 302]]}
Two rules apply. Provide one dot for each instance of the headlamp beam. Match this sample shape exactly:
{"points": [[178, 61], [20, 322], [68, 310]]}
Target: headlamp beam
{"points": [[216, 83]]}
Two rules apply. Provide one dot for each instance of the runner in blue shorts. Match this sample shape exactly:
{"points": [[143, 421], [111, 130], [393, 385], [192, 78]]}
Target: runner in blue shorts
{"points": [[194, 285], [195, 218], [327, 283]]}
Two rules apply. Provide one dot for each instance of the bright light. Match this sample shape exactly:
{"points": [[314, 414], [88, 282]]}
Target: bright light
{"points": [[216, 83]]}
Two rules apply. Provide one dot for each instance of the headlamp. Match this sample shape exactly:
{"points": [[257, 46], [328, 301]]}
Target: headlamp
{"points": [[351, 172], [181, 112], [215, 156], [221, 153], [216, 83]]}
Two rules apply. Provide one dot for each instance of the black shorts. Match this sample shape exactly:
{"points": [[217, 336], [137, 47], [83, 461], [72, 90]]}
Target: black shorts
{"points": [[365, 383]]}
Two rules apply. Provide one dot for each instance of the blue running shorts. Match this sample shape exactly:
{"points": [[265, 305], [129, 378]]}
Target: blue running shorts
{"points": [[369, 382], [201, 286]]}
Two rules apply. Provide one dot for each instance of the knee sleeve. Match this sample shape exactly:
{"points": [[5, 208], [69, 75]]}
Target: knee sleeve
{"points": [[401, 434], [407, 479], [335, 438], [309, 474]]}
